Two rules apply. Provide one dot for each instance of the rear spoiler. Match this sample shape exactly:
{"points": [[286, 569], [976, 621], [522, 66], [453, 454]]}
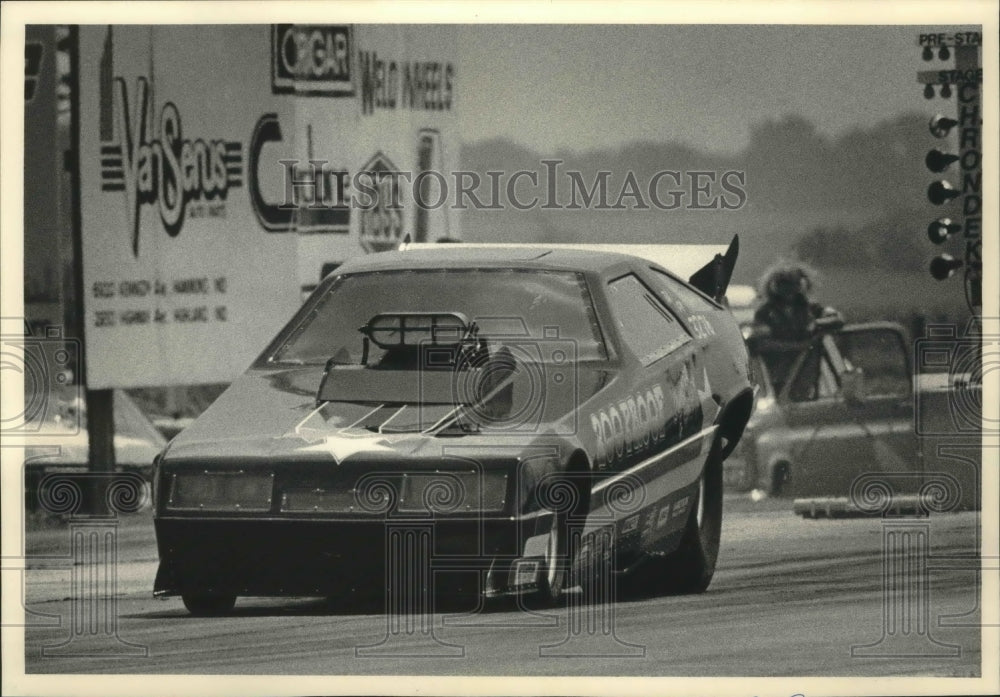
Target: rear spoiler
{"points": [[684, 260], [713, 278]]}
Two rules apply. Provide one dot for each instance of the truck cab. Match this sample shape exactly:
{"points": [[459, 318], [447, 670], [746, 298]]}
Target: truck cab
{"points": [[844, 416]]}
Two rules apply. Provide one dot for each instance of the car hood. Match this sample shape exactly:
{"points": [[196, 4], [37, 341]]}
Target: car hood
{"points": [[272, 414]]}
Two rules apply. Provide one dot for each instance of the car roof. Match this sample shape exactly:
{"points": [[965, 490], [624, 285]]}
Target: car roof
{"points": [[446, 257]]}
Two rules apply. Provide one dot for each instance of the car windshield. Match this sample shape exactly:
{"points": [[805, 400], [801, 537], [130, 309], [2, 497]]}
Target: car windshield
{"points": [[517, 305]]}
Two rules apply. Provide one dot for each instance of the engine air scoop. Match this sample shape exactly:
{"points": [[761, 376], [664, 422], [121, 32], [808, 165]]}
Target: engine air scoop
{"points": [[426, 358], [360, 384], [390, 330]]}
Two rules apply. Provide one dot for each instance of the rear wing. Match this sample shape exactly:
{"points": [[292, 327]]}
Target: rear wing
{"points": [[684, 260], [713, 278]]}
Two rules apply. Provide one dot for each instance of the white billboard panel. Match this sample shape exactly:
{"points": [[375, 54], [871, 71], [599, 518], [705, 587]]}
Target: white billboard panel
{"points": [[223, 167], [399, 121]]}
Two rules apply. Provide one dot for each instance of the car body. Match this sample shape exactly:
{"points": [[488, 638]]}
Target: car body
{"points": [[502, 401], [845, 418]]}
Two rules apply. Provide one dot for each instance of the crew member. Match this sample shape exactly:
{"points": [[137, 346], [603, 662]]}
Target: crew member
{"points": [[788, 318]]}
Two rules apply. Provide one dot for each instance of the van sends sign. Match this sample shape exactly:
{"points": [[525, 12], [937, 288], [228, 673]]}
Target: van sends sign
{"points": [[164, 168], [226, 168]]}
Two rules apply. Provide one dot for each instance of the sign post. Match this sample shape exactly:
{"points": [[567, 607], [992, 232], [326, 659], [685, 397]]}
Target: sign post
{"points": [[99, 403]]}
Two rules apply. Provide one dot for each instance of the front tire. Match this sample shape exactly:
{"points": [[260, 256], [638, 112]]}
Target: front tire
{"points": [[209, 605], [569, 501], [556, 560], [552, 580]]}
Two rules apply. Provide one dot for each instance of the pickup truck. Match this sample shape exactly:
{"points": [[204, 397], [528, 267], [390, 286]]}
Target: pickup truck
{"points": [[853, 425]]}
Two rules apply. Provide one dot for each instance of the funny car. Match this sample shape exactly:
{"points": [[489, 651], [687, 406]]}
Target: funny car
{"points": [[516, 416]]}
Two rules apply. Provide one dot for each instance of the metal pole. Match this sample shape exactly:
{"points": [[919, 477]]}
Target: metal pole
{"points": [[99, 403]]}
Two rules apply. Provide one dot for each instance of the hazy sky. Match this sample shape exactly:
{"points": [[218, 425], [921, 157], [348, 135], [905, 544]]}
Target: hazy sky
{"points": [[561, 86]]}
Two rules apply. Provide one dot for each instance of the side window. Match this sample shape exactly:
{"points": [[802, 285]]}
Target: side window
{"points": [[881, 355], [676, 294], [645, 325]]}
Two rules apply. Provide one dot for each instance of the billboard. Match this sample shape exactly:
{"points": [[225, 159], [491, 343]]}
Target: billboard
{"points": [[224, 168], [359, 151]]}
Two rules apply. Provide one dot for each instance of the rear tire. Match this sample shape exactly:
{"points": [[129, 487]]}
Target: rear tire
{"points": [[209, 605], [690, 568]]}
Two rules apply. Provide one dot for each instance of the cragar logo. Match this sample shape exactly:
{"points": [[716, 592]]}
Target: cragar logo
{"points": [[313, 59], [162, 167]]}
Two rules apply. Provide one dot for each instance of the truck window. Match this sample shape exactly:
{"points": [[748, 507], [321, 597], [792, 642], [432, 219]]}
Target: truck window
{"points": [[881, 354]]}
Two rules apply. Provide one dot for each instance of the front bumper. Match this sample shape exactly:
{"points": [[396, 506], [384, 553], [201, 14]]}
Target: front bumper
{"points": [[282, 556]]}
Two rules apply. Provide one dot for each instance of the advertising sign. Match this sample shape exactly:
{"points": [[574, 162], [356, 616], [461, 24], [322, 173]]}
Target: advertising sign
{"points": [[311, 59], [355, 163], [224, 168], [181, 285]]}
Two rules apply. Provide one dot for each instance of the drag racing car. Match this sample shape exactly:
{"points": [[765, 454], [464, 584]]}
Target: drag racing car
{"points": [[514, 419]]}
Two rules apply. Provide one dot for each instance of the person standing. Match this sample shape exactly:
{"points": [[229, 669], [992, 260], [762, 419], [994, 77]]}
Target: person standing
{"points": [[788, 318]]}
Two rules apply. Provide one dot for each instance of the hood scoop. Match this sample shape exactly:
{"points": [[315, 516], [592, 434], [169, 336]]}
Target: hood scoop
{"points": [[371, 385], [430, 399]]}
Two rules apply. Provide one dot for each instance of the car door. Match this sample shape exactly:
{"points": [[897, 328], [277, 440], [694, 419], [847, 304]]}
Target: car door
{"points": [[837, 430], [884, 396], [657, 408]]}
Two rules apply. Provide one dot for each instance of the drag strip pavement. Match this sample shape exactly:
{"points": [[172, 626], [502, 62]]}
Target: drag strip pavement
{"points": [[790, 597]]}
